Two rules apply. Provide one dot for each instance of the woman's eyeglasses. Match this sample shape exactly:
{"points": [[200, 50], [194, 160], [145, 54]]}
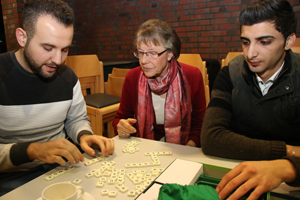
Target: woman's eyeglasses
{"points": [[150, 54]]}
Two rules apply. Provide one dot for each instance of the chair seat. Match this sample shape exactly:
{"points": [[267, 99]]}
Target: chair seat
{"points": [[100, 100]]}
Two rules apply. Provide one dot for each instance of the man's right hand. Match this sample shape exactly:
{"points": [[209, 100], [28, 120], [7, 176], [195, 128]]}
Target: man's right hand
{"points": [[54, 151]]}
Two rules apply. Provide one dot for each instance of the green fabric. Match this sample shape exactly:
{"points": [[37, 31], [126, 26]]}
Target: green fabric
{"points": [[199, 192]]}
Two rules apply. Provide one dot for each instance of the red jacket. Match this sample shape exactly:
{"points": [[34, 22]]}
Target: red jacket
{"points": [[129, 99]]}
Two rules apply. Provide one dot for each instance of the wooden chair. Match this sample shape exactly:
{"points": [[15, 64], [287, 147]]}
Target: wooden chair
{"points": [[115, 81], [196, 61], [229, 57], [119, 72], [296, 49], [297, 43], [114, 85], [101, 107]]}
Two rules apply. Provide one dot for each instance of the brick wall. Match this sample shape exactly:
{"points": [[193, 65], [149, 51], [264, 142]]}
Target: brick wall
{"points": [[11, 11], [107, 27]]}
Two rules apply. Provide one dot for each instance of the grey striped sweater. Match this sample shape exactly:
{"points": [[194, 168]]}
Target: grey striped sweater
{"points": [[36, 110]]}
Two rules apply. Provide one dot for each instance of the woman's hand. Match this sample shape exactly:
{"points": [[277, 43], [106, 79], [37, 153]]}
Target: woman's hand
{"points": [[191, 143], [125, 128]]}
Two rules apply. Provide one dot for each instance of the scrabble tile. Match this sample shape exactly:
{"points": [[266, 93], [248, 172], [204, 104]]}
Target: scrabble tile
{"points": [[123, 189], [107, 173], [119, 185], [111, 181], [77, 181], [104, 163], [138, 192], [61, 172], [98, 174], [100, 184], [55, 174], [110, 168], [102, 179], [120, 180], [88, 163], [138, 187], [71, 168], [89, 175], [131, 193], [113, 177], [112, 162], [136, 181], [127, 165], [143, 179], [49, 178], [112, 194], [104, 192]]}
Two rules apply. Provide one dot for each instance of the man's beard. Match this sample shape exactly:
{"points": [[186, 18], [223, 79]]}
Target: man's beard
{"points": [[36, 67]]}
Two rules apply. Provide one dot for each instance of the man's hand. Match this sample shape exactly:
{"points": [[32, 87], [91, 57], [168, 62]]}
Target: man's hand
{"points": [[292, 150], [53, 151], [262, 176], [88, 142]]}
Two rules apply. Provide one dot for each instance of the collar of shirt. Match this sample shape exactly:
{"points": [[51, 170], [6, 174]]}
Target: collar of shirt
{"points": [[265, 86]]}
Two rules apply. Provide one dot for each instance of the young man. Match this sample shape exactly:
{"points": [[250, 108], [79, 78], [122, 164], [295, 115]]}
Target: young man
{"points": [[41, 104], [254, 110]]}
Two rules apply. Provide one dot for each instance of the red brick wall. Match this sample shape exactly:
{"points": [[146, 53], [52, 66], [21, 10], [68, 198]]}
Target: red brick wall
{"points": [[107, 27], [211, 28], [11, 11]]}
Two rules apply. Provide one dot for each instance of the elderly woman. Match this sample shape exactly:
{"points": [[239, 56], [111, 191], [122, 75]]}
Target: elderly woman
{"points": [[162, 99]]}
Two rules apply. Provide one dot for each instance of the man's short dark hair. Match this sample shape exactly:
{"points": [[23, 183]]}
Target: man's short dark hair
{"points": [[279, 12], [33, 9]]}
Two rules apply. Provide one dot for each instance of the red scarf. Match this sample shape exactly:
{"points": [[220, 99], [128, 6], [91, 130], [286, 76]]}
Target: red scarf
{"points": [[177, 107]]}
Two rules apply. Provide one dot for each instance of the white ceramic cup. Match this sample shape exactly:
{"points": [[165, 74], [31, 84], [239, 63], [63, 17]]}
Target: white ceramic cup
{"points": [[62, 191]]}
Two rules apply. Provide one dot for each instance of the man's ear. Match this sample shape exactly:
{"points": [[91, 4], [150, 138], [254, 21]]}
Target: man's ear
{"points": [[21, 36], [290, 41]]}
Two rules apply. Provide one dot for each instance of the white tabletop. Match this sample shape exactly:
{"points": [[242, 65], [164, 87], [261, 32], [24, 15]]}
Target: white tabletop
{"points": [[32, 190]]}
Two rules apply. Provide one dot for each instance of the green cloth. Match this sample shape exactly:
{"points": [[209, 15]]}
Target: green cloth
{"points": [[199, 192]]}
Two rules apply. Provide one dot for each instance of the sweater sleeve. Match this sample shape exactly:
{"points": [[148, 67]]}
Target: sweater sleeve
{"points": [[128, 101], [296, 162], [195, 79], [217, 138], [5, 160], [77, 123]]}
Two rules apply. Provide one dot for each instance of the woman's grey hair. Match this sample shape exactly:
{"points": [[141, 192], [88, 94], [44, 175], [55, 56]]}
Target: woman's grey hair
{"points": [[158, 32]]}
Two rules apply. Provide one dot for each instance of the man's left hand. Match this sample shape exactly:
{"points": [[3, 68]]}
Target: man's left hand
{"points": [[88, 142], [261, 176]]}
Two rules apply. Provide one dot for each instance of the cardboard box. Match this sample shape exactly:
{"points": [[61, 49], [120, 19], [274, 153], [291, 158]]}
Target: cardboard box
{"points": [[182, 172]]}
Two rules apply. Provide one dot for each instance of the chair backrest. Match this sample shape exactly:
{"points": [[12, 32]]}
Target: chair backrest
{"points": [[229, 57], [114, 85], [196, 61], [296, 49], [89, 70], [297, 43], [119, 72]]}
